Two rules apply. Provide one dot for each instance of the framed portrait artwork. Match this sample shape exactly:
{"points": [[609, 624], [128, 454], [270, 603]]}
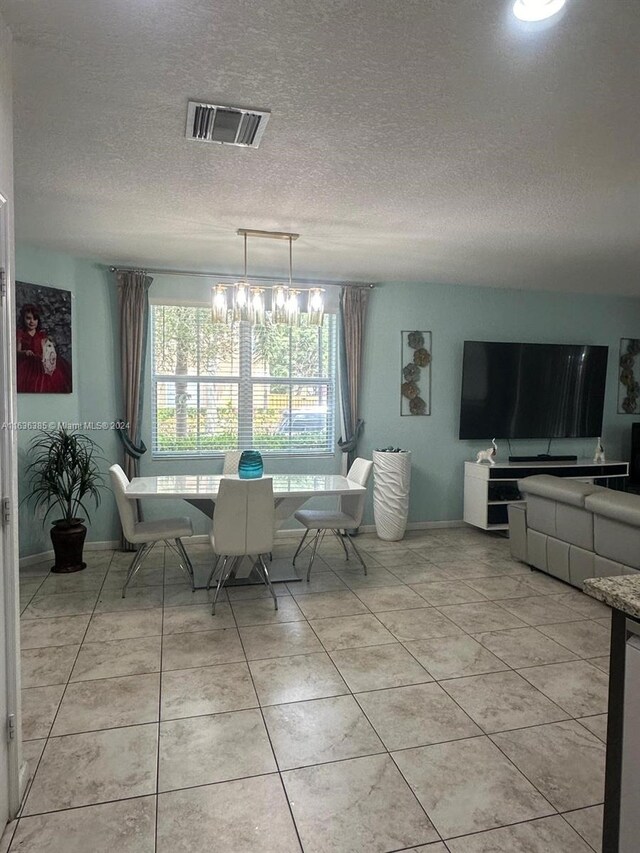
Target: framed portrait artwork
{"points": [[43, 330], [415, 388]]}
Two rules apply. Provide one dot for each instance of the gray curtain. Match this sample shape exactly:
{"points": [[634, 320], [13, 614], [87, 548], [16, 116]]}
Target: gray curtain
{"points": [[133, 308], [353, 316]]}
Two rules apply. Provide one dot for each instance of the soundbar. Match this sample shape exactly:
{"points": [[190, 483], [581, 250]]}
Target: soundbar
{"points": [[543, 457]]}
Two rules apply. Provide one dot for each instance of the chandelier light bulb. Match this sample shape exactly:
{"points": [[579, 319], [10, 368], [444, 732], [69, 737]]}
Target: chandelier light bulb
{"points": [[257, 306], [278, 304], [292, 308], [537, 10], [241, 301], [219, 304], [315, 306]]}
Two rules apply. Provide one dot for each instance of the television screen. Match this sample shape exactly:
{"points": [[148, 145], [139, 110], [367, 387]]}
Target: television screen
{"points": [[532, 390]]}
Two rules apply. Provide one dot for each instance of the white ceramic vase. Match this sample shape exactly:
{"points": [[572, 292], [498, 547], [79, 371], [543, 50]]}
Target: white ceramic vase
{"points": [[391, 482]]}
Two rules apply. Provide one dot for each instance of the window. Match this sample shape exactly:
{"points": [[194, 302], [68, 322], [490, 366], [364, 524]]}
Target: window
{"points": [[218, 388]]}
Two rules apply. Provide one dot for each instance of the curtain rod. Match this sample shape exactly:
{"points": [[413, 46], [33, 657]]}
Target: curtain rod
{"points": [[265, 278]]}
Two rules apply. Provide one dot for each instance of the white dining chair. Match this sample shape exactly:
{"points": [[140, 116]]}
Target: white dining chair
{"points": [[347, 517], [243, 525], [147, 533], [231, 461]]}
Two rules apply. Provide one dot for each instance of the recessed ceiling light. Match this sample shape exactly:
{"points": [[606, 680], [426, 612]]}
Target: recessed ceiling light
{"points": [[537, 10]]}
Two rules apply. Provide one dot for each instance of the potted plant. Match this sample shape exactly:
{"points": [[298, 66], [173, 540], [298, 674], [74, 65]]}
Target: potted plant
{"points": [[63, 475]]}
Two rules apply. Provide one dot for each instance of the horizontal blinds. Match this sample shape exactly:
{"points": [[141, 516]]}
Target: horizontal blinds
{"points": [[218, 388]]}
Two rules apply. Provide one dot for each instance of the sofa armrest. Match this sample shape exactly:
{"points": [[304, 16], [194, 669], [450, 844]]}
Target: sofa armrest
{"points": [[618, 506], [557, 489]]}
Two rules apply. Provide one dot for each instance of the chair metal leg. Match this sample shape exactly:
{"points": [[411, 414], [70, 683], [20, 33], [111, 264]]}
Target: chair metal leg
{"points": [[336, 533], [267, 580], [299, 548], [357, 553], [222, 579], [216, 562], [184, 562], [313, 553], [137, 561]]}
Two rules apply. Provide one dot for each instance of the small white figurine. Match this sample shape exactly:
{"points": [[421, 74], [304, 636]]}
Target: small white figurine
{"points": [[599, 454], [488, 454]]}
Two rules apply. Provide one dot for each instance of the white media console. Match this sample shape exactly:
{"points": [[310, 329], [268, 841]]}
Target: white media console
{"points": [[489, 489]]}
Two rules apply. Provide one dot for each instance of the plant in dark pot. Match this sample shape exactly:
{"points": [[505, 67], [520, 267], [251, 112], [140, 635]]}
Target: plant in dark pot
{"points": [[64, 475]]}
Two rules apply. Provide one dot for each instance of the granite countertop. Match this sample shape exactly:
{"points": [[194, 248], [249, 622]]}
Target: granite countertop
{"points": [[621, 592]]}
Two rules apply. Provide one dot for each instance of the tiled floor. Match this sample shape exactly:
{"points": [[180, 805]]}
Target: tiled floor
{"points": [[452, 700]]}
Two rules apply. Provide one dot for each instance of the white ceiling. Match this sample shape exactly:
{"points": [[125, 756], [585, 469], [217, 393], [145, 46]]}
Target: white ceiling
{"points": [[425, 140]]}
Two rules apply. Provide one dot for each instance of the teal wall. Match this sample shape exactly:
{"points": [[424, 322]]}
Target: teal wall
{"points": [[452, 313]]}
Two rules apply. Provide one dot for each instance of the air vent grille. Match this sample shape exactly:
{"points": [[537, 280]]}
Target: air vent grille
{"points": [[225, 125]]}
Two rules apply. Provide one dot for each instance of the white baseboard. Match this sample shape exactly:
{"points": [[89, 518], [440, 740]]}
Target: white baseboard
{"points": [[203, 538]]}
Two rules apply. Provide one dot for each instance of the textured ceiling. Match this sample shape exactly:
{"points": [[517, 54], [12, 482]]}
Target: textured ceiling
{"points": [[429, 140]]}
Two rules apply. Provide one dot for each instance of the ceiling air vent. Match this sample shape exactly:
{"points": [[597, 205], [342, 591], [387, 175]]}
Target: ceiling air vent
{"points": [[225, 125]]}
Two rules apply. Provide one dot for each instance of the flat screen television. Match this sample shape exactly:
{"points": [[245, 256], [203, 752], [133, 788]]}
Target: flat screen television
{"points": [[512, 390]]}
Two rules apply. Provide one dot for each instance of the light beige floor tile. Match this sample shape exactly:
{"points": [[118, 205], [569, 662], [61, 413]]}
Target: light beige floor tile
{"points": [[251, 591], [376, 667], [581, 603], [6, 836], [597, 725], [36, 570], [67, 604], [424, 573], [108, 703], [83, 769], [272, 641], [540, 610], [202, 648], [587, 639], [461, 569], [375, 577], [399, 557], [390, 598], [348, 632], [416, 715], [42, 667], [59, 631], [357, 806], [496, 588], [601, 662], [244, 816], [578, 687], [203, 750], [123, 626], [32, 752], [447, 592], [588, 824], [39, 707], [261, 611], [478, 617], [324, 604], [296, 678], [548, 835], [137, 598], [451, 657], [419, 624], [319, 582], [127, 825], [544, 584], [563, 760], [318, 731], [468, 786], [524, 647], [181, 595], [73, 583], [117, 657], [207, 690], [197, 617], [502, 700]]}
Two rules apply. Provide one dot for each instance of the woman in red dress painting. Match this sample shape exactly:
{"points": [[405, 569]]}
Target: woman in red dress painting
{"points": [[40, 369]]}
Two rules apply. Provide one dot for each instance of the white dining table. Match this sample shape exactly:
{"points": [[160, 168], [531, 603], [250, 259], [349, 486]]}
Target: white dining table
{"points": [[290, 492]]}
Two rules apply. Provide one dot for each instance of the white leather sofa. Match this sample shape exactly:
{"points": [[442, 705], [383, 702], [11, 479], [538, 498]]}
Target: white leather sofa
{"points": [[574, 530]]}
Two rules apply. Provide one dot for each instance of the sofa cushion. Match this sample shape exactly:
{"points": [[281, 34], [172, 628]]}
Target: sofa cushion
{"points": [[619, 506], [616, 540], [541, 514], [558, 489], [574, 525]]}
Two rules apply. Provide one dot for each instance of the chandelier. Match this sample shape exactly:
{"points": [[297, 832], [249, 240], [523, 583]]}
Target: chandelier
{"points": [[246, 302]]}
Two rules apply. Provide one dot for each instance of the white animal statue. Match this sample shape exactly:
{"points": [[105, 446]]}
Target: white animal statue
{"points": [[598, 456], [489, 454]]}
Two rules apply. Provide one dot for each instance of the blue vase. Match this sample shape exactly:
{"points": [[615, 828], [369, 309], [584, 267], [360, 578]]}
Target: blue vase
{"points": [[250, 466]]}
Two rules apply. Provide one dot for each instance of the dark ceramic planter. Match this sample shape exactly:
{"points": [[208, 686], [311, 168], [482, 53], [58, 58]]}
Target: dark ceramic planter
{"points": [[68, 543]]}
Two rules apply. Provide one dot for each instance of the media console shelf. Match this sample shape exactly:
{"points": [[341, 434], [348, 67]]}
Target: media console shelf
{"points": [[489, 489]]}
